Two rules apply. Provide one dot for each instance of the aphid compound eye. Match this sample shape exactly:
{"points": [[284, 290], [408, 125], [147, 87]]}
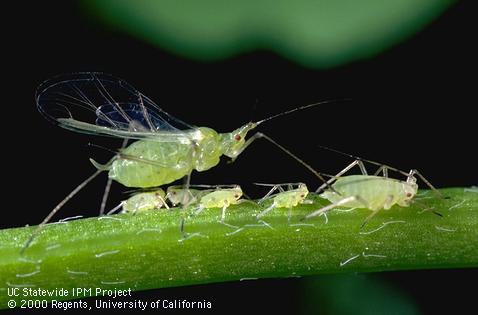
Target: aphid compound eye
{"points": [[409, 195], [237, 137], [302, 196], [236, 196]]}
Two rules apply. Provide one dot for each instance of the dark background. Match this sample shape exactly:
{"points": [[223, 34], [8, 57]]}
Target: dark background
{"points": [[413, 106]]}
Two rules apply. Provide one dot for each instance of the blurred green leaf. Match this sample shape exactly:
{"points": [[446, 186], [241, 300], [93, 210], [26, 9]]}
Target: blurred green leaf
{"points": [[353, 294], [321, 33]]}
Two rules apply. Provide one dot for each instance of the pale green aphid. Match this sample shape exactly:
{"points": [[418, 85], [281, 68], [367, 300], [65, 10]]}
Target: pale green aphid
{"points": [[285, 198], [167, 148], [369, 191], [178, 195], [145, 201], [220, 198]]}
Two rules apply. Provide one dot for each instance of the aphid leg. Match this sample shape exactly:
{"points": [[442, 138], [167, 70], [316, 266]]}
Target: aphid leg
{"points": [[274, 188], [105, 196], [263, 213], [259, 135], [416, 172], [382, 169], [55, 210], [362, 167], [329, 207], [426, 208], [115, 208], [190, 198], [187, 182], [108, 186], [163, 201], [370, 216], [335, 205], [223, 213], [246, 200], [198, 210], [342, 172], [387, 204]]}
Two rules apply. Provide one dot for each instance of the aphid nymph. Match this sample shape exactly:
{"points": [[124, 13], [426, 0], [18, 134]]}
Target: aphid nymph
{"points": [[220, 198], [145, 201], [284, 198]]}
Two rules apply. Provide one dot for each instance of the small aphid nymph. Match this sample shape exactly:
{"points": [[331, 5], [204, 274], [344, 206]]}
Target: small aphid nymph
{"points": [[145, 201], [285, 198], [220, 198]]}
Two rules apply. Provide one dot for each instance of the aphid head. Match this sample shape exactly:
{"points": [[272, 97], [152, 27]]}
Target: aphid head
{"points": [[233, 142], [172, 194], [410, 190], [303, 190], [237, 192]]}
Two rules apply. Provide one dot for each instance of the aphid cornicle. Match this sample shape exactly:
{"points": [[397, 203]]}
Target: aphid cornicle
{"points": [[167, 149], [369, 191]]}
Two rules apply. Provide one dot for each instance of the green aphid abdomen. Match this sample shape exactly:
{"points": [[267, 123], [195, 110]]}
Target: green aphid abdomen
{"points": [[376, 191], [172, 161], [149, 163]]}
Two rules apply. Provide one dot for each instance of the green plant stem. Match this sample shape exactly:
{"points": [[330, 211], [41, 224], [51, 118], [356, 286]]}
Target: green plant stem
{"points": [[147, 251]]}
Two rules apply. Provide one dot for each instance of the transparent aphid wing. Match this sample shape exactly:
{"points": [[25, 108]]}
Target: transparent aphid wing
{"points": [[98, 103], [132, 120]]}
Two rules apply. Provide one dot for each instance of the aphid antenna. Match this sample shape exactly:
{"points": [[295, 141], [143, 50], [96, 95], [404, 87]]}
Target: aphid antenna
{"points": [[246, 196], [300, 108], [261, 135], [310, 168], [426, 208], [407, 174], [364, 160], [253, 109]]}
